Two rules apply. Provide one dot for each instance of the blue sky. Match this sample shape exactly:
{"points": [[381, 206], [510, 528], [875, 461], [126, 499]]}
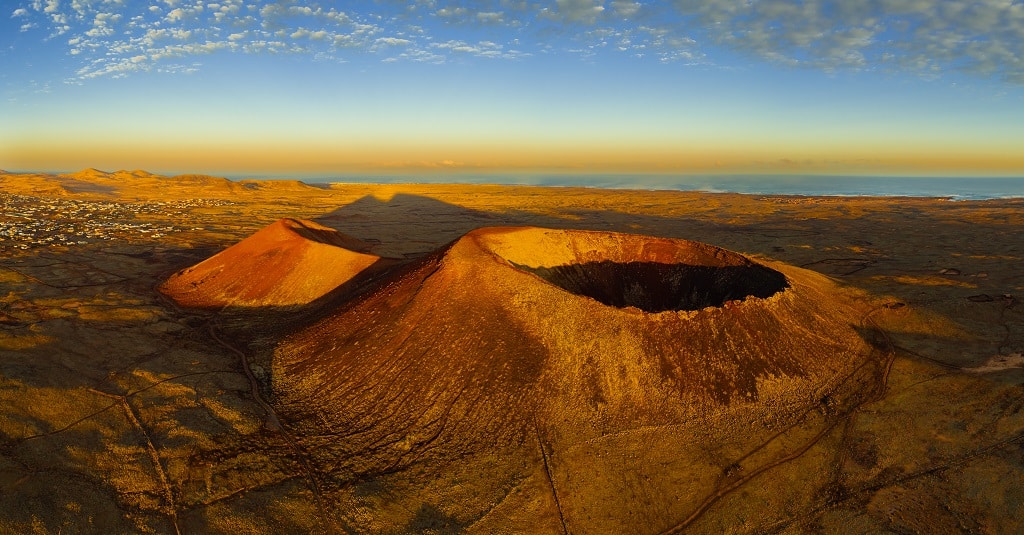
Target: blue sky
{"points": [[720, 86]]}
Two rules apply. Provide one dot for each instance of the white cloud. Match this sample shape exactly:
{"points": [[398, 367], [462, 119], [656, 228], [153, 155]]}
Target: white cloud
{"points": [[154, 35], [175, 15], [452, 13], [107, 17], [99, 31], [271, 10], [392, 41], [625, 8], [583, 11], [483, 49], [338, 17], [490, 17], [981, 37], [487, 13]]}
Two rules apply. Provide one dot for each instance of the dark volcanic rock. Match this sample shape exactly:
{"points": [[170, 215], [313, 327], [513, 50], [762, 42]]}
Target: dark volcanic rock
{"points": [[656, 287]]}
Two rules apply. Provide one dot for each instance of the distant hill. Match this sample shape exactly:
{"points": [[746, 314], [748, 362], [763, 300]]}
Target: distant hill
{"points": [[141, 184], [198, 180], [278, 185], [89, 174], [288, 263]]}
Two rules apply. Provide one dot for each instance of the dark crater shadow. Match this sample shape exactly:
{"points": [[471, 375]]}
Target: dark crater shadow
{"points": [[656, 287]]}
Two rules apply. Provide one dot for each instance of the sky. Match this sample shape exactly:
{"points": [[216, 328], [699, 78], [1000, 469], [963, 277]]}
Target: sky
{"points": [[284, 88]]}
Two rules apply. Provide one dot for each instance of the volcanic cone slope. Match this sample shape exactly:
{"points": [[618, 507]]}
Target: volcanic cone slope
{"points": [[571, 366], [287, 263]]}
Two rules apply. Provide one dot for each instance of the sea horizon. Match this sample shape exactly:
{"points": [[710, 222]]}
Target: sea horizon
{"points": [[953, 188], [956, 188]]}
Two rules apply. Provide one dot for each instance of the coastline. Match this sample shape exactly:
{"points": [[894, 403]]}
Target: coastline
{"points": [[954, 188], [957, 188]]}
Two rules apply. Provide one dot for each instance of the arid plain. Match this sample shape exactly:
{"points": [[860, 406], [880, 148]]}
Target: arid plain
{"points": [[396, 367]]}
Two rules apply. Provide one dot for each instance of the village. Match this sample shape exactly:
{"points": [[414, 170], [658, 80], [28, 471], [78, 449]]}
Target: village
{"points": [[28, 222]]}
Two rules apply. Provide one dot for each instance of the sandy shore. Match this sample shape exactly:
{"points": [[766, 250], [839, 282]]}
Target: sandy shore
{"points": [[122, 412]]}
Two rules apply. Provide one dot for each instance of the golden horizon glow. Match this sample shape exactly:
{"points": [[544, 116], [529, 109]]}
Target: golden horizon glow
{"points": [[484, 158]]}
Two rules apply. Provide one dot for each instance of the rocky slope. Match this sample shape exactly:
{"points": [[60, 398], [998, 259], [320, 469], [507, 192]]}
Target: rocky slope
{"points": [[569, 368]]}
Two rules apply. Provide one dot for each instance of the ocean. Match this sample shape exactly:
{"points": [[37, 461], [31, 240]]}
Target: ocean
{"points": [[953, 188]]}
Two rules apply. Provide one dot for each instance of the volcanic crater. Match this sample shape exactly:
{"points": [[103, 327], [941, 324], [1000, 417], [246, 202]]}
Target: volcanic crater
{"points": [[512, 342], [677, 275], [655, 287]]}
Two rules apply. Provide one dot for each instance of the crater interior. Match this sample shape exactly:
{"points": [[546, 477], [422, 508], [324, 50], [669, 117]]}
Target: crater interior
{"points": [[657, 287], [627, 270]]}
